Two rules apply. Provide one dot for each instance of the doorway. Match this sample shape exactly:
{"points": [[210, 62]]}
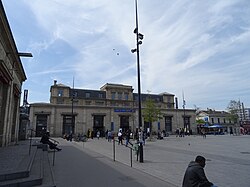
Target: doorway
{"points": [[98, 125], [124, 123]]}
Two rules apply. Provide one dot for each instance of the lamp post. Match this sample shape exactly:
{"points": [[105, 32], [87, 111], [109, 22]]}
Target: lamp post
{"points": [[21, 54], [72, 109], [139, 37]]}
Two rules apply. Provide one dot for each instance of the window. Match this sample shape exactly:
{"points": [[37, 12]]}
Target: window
{"points": [[75, 94], [212, 120], [113, 95], [136, 98], [87, 95], [224, 120], [126, 96], [168, 99], [60, 93], [59, 100], [100, 95], [120, 96], [219, 120]]}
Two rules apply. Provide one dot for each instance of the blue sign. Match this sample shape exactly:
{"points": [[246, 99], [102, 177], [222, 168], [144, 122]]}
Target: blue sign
{"points": [[124, 110]]}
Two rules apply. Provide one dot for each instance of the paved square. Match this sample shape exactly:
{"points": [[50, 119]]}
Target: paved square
{"points": [[228, 157]]}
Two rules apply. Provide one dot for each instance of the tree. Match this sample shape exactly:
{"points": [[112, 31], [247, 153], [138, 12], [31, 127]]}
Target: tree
{"points": [[200, 122], [233, 109], [151, 113]]}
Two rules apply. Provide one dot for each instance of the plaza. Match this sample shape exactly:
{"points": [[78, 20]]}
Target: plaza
{"points": [[228, 161], [91, 163]]}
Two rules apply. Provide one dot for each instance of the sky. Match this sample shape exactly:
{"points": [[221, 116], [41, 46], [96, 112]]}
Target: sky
{"points": [[196, 48]]}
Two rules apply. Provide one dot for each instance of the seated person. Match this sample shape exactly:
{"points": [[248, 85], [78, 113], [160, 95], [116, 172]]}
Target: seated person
{"points": [[195, 175], [45, 140]]}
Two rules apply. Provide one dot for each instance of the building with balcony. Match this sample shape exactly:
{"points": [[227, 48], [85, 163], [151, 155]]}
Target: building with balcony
{"points": [[113, 107]]}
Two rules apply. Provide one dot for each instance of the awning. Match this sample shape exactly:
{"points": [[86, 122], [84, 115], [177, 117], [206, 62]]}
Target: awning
{"points": [[215, 126]]}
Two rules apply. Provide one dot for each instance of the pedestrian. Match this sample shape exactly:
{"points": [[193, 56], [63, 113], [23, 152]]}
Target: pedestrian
{"points": [[98, 134], [195, 175], [92, 134], [109, 136], [177, 132], [119, 137], [127, 137], [106, 134], [203, 132], [140, 136], [162, 135]]}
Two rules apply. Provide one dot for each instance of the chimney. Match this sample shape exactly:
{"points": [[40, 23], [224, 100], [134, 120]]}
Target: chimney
{"points": [[176, 103], [55, 81]]}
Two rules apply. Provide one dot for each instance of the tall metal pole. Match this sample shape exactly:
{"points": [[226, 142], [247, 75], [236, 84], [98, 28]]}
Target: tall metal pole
{"points": [[138, 65], [139, 79], [184, 117], [72, 109]]}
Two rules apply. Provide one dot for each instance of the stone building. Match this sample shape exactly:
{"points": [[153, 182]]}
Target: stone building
{"points": [[113, 107], [12, 76], [214, 117]]}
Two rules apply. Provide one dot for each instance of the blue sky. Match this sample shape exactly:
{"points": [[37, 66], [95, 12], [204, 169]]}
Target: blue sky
{"points": [[197, 47]]}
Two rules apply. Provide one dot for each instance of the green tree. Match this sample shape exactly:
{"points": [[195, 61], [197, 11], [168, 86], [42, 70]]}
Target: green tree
{"points": [[233, 109], [151, 113], [200, 122]]}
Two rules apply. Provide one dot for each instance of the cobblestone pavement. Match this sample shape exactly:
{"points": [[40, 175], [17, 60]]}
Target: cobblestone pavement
{"points": [[228, 157]]}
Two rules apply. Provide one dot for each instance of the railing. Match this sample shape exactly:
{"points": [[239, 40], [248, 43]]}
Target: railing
{"points": [[129, 147], [54, 141], [54, 151], [31, 130]]}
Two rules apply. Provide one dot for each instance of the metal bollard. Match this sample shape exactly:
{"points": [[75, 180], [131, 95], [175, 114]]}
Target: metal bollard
{"points": [[141, 152]]}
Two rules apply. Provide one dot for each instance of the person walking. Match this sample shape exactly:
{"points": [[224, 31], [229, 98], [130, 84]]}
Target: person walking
{"points": [[109, 136], [127, 137], [119, 137], [195, 175], [203, 131], [98, 134]]}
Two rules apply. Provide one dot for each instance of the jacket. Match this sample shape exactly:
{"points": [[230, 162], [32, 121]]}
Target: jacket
{"points": [[195, 176]]}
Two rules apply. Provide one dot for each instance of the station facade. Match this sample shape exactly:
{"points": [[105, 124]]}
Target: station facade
{"points": [[113, 107]]}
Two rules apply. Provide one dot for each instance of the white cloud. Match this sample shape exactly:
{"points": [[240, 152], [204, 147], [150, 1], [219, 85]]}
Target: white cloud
{"points": [[200, 47]]}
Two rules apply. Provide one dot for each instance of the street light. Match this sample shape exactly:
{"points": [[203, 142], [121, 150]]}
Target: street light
{"points": [[24, 54], [72, 109], [139, 37]]}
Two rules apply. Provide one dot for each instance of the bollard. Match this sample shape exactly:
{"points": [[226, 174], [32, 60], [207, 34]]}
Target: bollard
{"points": [[131, 160], [114, 149], [141, 152], [54, 155]]}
